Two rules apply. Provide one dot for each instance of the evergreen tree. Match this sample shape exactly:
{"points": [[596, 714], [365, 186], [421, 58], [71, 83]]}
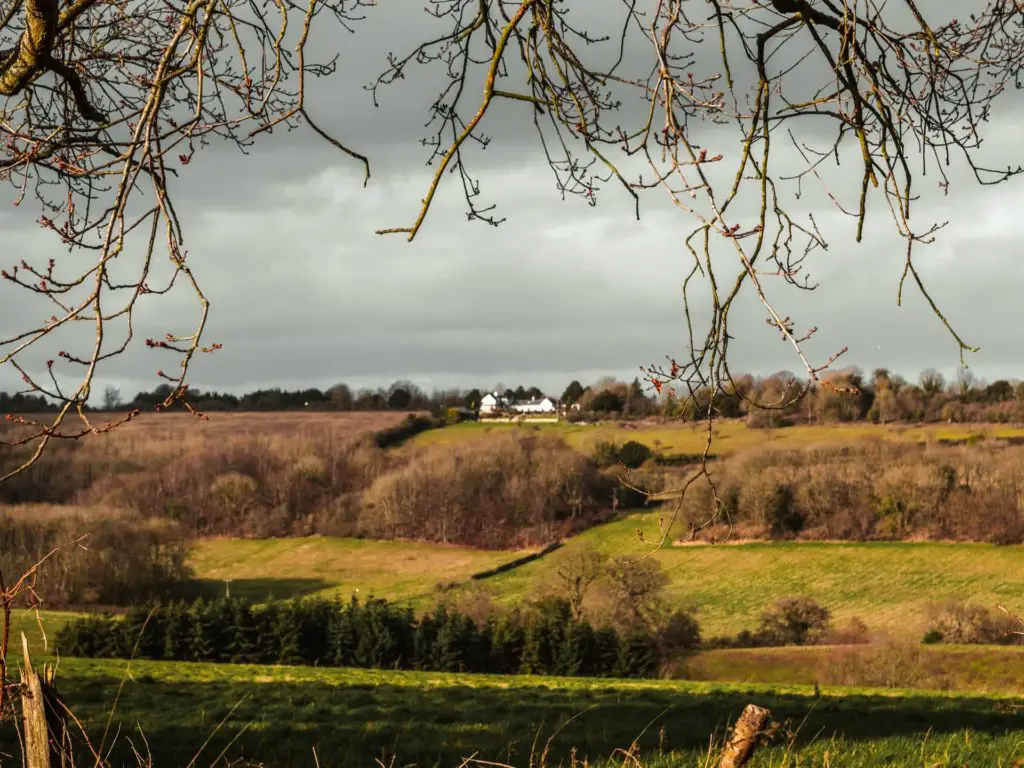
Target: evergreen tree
{"points": [[449, 643], [376, 645], [638, 656], [202, 631], [315, 615], [506, 644], [342, 636], [176, 632], [144, 625], [605, 651], [574, 649], [423, 642], [268, 646], [288, 631], [241, 634]]}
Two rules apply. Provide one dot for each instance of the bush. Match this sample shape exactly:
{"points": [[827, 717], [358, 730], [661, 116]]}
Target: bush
{"points": [[931, 637], [409, 427], [633, 454], [853, 632], [794, 621], [783, 515], [605, 453], [963, 623], [889, 664], [680, 633]]}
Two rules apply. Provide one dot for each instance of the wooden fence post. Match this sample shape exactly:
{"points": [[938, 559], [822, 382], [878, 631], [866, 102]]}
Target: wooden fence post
{"points": [[743, 741], [44, 728]]}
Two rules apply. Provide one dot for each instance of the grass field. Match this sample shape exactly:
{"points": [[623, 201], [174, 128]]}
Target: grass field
{"points": [[885, 584], [352, 717], [40, 629], [730, 436], [978, 669], [291, 567]]}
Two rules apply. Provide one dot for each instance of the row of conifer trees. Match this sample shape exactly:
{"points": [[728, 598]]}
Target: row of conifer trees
{"points": [[373, 634]]}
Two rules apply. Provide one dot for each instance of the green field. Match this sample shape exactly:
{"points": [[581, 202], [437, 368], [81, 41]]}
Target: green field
{"points": [[886, 584], [729, 436], [352, 717], [40, 629], [290, 567]]}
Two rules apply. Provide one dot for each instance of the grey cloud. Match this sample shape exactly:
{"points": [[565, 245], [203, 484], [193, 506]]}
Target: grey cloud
{"points": [[303, 293]]}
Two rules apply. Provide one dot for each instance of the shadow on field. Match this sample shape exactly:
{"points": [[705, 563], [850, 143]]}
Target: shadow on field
{"points": [[255, 590], [441, 723], [518, 562]]}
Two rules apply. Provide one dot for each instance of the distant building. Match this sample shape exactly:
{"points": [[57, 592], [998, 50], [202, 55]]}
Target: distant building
{"points": [[493, 403], [537, 405]]}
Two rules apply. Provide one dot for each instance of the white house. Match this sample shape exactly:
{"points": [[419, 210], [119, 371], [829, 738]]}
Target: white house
{"points": [[493, 403], [538, 405]]}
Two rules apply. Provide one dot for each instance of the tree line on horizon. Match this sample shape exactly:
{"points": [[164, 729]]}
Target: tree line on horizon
{"points": [[765, 401]]}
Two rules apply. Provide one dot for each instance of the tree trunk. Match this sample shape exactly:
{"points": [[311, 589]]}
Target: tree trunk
{"points": [[741, 744]]}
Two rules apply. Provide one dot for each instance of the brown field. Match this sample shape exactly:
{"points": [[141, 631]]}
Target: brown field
{"points": [[168, 426], [893, 664]]}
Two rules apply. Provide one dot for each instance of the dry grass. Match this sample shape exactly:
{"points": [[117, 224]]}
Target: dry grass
{"points": [[156, 433], [984, 669]]}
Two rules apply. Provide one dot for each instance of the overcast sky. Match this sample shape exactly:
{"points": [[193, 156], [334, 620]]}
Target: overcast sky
{"points": [[303, 293]]}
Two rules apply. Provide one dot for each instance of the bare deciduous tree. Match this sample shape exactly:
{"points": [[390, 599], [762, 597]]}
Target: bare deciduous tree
{"points": [[107, 100]]}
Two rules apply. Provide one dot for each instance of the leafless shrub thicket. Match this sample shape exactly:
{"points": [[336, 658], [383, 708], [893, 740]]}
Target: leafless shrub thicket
{"points": [[505, 491], [957, 621], [243, 485], [120, 557], [872, 489]]}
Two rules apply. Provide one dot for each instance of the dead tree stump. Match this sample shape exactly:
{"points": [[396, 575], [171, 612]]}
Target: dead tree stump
{"points": [[743, 740]]}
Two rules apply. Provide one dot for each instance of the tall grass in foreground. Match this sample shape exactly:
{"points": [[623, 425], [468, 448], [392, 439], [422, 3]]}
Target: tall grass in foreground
{"points": [[276, 716]]}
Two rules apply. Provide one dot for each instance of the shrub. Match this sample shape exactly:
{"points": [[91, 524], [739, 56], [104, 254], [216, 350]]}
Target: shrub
{"points": [[963, 623], [783, 516], [605, 453], [680, 633], [931, 637], [409, 427], [633, 454], [852, 632], [794, 621], [888, 664]]}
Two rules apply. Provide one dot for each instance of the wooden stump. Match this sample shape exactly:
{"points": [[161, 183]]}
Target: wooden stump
{"points": [[743, 740], [44, 729]]}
